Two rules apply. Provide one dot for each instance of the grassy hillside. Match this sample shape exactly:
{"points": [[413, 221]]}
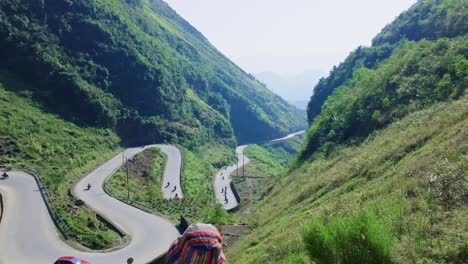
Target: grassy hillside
{"points": [[137, 67], [59, 151], [267, 166], [112, 73], [409, 180], [271, 159], [62, 152], [145, 172], [427, 19], [197, 183], [417, 75], [382, 174]]}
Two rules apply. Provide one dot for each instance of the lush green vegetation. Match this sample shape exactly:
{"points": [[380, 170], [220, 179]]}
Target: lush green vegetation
{"points": [[199, 168], [284, 151], [367, 57], [217, 155], [145, 171], [381, 177], [410, 177], [418, 74], [254, 180], [272, 158], [427, 19], [267, 166], [59, 151], [265, 162], [139, 68], [111, 70], [198, 204], [361, 238]]}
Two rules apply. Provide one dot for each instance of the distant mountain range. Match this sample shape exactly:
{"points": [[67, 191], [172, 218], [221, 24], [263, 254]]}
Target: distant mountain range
{"points": [[381, 176], [301, 104], [296, 89]]}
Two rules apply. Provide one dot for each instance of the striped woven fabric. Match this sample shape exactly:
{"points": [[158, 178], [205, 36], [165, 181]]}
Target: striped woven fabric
{"points": [[200, 244]]}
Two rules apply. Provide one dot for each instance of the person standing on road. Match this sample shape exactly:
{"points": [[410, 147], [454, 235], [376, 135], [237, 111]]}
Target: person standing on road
{"points": [[168, 183], [89, 186], [175, 188]]}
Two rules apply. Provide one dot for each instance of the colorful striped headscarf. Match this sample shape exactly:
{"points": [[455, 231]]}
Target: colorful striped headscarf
{"points": [[200, 244]]}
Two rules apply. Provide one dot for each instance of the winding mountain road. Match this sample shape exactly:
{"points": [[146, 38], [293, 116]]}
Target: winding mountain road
{"points": [[171, 179], [28, 234], [222, 183]]}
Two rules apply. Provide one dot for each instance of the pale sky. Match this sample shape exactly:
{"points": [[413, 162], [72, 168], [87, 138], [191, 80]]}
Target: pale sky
{"points": [[289, 36]]}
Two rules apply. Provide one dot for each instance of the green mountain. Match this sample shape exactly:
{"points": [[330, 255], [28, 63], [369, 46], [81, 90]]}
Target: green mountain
{"points": [[79, 78], [417, 60], [382, 175], [137, 67], [427, 19], [59, 151]]}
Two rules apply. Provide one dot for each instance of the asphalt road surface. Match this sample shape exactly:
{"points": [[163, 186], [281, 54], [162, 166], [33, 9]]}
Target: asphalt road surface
{"points": [[171, 180], [28, 234], [222, 183]]}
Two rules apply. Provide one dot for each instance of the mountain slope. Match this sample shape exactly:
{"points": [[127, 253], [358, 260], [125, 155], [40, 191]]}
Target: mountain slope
{"points": [[417, 75], [411, 175], [382, 175], [59, 151], [427, 19], [377, 85], [138, 67]]}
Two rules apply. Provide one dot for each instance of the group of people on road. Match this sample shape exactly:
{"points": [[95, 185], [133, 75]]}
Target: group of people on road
{"points": [[224, 191], [173, 190], [5, 174]]}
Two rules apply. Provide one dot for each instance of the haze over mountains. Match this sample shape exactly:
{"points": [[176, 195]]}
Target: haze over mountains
{"points": [[296, 89], [139, 68], [81, 79], [382, 174]]}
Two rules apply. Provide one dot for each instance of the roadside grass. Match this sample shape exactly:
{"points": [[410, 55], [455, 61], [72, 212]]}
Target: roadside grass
{"points": [[217, 155], [263, 161], [145, 173], [285, 151], [57, 150], [197, 176], [198, 204], [411, 177], [268, 164], [272, 159], [62, 152], [360, 238], [200, 166]]}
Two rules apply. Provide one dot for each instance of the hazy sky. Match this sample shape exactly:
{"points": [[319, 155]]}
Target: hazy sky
{"points": [[289, 36]]}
